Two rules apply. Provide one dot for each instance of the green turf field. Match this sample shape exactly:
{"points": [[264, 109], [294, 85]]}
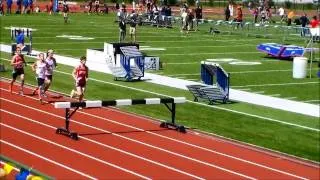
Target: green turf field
{"points": [[275, 129]]}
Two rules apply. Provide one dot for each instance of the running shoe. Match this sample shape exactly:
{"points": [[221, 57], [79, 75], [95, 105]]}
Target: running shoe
{"points": [[44, 95], [21, 93], [72, 94], [34, 92]]}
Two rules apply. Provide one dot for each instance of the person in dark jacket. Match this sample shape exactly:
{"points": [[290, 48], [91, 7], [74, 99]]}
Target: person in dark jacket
{"points": [[304, 22]]}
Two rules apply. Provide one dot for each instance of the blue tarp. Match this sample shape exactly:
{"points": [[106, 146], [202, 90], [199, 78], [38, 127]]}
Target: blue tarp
{"points": [[281, 51]]}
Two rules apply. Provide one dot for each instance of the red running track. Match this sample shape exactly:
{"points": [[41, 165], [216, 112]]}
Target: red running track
{"points": [[115, 144]]}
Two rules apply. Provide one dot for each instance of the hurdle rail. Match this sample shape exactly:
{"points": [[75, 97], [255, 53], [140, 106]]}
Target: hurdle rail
{"points": [[119, 102]]}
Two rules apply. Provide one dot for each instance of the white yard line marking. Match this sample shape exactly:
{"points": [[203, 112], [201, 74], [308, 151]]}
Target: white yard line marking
{"points": [[192, 79], [291, 97], [186, 143], [69, 149], [275, 95], [44, 158], [192, 54], [133, 140], [263, 71], [182, 63], [258, 92], [312, 100], [244, 89], [280, 84]]}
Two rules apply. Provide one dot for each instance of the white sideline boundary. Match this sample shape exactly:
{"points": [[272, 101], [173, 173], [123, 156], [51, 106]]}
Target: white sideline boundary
{"points": [[235, 95]]}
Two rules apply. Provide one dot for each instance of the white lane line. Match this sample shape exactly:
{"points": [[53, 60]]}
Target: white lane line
{"points": [[189, 144], [44, 158], [101, 144], [69, 149], [136, 141], [231, 72]]}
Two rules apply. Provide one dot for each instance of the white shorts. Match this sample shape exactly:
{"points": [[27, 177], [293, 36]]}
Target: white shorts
{"points": [[132, 30]]}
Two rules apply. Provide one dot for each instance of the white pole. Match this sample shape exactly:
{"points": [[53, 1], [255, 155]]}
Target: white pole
{"points": [[311, 56]]}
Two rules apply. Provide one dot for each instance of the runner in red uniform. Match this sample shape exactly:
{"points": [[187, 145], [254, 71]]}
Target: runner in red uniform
{"points": [[18, 64], [80, 75]]}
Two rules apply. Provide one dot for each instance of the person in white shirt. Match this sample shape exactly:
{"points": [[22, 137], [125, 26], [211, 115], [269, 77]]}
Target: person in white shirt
{"points": [[184, 15], [40, 67], [51, 65], [231, 10], [281, 13]]}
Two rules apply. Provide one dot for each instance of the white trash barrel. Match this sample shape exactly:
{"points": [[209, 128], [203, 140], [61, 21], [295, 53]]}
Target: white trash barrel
{"points": [[299, 67]]}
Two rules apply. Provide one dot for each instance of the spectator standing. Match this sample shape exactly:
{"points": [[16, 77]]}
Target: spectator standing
{"points": [[65, 10], [255, 14], [9, 6], [239, 18], [281, 13], [314, 24], [227, 13], [304, 21], [133, 29], [50, 7], [122, 29], [30, 2], [184, 16], [19, 4], [105, 8], [117, 6], [290, 16], [25, 6], [96, 6], [231, 9], [90, 6], [198, 12]]}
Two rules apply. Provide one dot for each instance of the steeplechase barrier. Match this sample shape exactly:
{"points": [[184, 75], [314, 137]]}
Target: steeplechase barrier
{"points": [[119, 102], [216, 84]]}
